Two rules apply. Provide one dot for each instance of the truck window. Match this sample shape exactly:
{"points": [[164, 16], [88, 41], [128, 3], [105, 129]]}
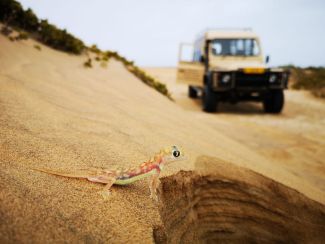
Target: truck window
{"points": [[235, 47], [186, 52], [197, 51]]}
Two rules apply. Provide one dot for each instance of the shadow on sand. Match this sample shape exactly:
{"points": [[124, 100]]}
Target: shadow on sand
{"points": [[224, 108]]}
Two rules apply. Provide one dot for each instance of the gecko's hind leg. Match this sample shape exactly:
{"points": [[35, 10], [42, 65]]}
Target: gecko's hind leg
{"points": [[108, 180], [106, 191]]}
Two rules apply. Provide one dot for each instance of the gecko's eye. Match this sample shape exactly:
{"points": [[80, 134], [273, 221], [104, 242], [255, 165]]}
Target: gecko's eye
{"points": [[176, 154]]}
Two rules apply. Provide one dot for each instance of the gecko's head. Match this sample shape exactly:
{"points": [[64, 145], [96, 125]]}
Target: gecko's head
{"points": [[173, 153]]}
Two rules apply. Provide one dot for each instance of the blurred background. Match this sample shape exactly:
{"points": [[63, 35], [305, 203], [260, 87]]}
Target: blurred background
{"points": [[149, 32]]}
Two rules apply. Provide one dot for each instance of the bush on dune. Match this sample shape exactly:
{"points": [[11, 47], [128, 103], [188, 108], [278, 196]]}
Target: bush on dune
{"points": [[88, 63], [139, 73], [38, 47], [12, 14], [147, 79], [93, 48], [22, 36], [59, 39], [310, 78]]}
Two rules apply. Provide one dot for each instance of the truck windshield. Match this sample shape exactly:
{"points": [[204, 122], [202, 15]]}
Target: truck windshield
{"points": [[235, 47]]}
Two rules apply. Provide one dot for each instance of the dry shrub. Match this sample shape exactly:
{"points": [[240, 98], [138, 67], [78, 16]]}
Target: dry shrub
{"points": [[88, 63], [38, 47], [310, 78]]}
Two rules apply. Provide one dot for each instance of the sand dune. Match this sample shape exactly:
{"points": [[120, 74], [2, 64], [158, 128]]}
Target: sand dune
{"points": [[57, 114]]}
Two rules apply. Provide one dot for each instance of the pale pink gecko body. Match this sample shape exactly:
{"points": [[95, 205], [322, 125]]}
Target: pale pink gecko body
{"points": [[151, 168]]}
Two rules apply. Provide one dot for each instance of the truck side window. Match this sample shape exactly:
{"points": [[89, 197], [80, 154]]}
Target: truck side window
{"points": [[216, 48], [197, 53], [255, 48]]}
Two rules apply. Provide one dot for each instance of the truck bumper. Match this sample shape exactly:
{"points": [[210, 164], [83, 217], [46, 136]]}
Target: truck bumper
{"points": [[243, 82]]}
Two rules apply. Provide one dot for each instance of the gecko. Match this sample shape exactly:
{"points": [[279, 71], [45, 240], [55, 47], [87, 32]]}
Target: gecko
{"points": [[152, 168]]}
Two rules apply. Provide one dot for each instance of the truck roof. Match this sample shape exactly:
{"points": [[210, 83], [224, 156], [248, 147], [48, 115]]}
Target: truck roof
{"points": [[227, 33]]}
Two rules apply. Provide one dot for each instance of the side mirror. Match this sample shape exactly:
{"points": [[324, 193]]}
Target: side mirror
{"points": [[267, 59]]}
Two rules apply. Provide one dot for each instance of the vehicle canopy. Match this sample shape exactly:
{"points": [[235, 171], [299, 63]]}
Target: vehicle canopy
{"points": [[229, 33], [229, 49]]}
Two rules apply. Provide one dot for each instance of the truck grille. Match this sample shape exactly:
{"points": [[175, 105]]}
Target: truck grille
{"points": [[251, 80]]}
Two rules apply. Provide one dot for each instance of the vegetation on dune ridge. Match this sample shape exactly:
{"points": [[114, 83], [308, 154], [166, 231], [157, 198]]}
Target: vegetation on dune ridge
{"points": [[138, 72], [12, 14], [309, 78]]}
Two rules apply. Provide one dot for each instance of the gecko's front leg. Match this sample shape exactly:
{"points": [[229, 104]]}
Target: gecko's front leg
{"points": [[153, 184]]}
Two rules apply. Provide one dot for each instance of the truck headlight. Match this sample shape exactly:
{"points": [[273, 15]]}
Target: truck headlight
{"points": [[272, 78], [226, 78]]}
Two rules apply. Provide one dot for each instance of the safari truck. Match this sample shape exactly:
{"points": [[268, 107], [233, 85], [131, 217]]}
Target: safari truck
{"points": [[228, 66]]}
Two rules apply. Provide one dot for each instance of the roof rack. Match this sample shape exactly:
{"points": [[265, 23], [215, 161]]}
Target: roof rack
{"points": [[224, 29]]}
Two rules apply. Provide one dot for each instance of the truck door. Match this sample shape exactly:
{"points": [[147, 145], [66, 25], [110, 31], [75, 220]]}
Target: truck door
{"points": [[190, 70]]}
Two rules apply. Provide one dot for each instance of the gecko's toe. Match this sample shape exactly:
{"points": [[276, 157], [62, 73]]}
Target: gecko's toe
{"points": [[105, 194], [154, 197]]}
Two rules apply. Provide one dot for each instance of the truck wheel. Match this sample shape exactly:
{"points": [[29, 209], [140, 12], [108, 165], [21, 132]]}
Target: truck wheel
{"points": [[209, 100], [192, 93], [274, 101]]}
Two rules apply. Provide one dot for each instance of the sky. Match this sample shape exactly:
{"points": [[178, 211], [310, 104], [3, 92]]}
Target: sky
{"points": [[149, 31]]}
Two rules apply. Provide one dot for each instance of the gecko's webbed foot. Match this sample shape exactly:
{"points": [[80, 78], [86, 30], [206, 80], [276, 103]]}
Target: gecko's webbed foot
{"points": [[105, 194], [154, 196]]}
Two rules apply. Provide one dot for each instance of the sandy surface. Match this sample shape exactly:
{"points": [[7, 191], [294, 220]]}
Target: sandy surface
{"points": [[293, 141], [57, 114]]}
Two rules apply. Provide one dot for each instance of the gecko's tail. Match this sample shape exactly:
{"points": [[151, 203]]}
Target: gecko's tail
{"points": [[71, 174], [92, 174]]}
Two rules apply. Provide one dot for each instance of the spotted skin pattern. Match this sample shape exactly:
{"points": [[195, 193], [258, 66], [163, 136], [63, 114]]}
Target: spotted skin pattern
{"points": [[127, 176]]}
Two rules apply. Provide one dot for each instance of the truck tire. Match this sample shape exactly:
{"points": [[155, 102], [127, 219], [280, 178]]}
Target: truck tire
{"points": [[209, 100], [192, 93], [274, 101]]}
